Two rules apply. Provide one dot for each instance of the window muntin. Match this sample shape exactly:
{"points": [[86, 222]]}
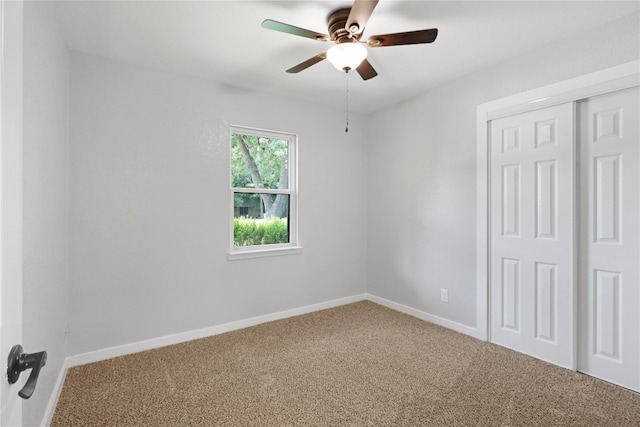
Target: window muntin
{"points": [[263, 190]]}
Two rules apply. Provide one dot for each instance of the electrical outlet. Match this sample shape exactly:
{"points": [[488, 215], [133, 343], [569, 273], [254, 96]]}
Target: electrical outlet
{"points": [[444, 295]]}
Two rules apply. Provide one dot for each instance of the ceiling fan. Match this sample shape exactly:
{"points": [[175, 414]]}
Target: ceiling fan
{"points": [[346, 27]]}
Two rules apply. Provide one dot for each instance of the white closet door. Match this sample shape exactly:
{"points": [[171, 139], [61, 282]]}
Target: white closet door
{"points": [[609, 286], [531, 241]]}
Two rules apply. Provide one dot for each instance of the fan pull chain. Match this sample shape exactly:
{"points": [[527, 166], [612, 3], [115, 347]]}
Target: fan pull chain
{"points": [[346, 129]]}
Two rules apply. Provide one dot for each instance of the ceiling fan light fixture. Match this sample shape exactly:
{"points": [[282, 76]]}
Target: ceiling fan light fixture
{"points": [[346, 56]]}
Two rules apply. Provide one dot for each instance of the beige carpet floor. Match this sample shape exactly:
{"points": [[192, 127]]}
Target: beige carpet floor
{"points": [[356, 365]]}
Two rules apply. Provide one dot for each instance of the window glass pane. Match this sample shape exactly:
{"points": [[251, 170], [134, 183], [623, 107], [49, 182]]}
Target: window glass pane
{"points": [[260, 219], [259, 162]]}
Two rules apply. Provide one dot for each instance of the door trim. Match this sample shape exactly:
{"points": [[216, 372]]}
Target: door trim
{"points": [[600, 82]]}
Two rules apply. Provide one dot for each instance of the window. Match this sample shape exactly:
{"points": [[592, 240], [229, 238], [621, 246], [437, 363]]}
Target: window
{"points": [[263, 193]]}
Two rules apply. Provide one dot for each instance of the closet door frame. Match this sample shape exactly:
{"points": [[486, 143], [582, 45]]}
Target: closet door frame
{"points": [[608, 80]]}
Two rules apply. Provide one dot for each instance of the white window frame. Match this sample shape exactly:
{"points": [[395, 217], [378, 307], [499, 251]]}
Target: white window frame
{"points": [[259, 251]]}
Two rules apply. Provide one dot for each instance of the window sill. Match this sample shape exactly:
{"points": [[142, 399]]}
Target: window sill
{"points": [[263, 253]]}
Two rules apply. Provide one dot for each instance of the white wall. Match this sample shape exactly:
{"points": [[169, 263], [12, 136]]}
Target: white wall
{"points": [[422, 227], [145, 157], [45, 200], [149, 180]]}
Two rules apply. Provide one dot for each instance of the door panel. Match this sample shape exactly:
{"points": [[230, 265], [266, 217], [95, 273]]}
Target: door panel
{"points": [[609, 286], [532, 233], [546, 199], [546, 294]]}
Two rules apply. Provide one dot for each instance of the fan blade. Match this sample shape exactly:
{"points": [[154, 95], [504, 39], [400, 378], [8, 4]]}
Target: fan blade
{"points": [[296, 31], [308, 63], [359, 15], [410, 37], [366, 71]]}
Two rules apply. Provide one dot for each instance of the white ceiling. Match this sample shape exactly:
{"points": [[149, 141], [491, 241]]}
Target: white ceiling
{"points": [[224, 41]]}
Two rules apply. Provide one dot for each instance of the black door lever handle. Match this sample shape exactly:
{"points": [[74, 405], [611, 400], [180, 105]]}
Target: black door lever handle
{"points": [[18, 362]]}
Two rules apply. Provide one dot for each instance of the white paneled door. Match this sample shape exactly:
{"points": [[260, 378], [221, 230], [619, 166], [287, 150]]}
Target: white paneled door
{"points": [[531, 237], [609, 284], [10, 204]]}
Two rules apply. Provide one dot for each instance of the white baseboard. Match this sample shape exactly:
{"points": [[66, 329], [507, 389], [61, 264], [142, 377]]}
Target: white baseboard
{"points": [[455, 326], [55, 394], [136, 347]]}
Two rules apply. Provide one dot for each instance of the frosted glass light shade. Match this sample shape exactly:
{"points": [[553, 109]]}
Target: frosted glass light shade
{"points": [[346, 56]]}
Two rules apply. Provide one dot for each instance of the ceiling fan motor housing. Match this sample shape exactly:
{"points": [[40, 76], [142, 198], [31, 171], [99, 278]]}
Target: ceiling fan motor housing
{"points": [[337, 30]]}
